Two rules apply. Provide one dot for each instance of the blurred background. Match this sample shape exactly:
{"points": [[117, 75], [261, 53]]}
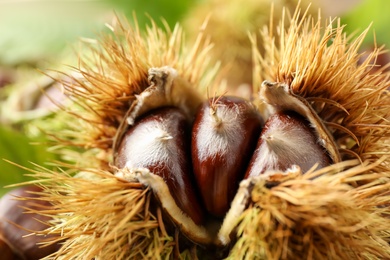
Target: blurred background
{"points": [[37, 35]]}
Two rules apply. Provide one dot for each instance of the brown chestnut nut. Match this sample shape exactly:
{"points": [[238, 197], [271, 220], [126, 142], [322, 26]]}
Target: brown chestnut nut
{"points": [[6, 251], [16, 225], [224, 136], [287, 140], [160, 143]]}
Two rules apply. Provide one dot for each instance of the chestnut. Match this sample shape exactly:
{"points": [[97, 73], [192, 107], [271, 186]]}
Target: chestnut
{"points": [[7, 253], [286, 140], [160, 142], [16, 225], [224, 136]]}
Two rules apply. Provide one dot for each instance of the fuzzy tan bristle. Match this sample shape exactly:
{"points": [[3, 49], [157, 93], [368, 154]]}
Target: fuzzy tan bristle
{"points": [[320, 63], [94, 214], [336, 215], [113, 71], [319, 215]]}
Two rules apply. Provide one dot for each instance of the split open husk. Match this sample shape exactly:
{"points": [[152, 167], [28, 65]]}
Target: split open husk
{"points": [[338, 212]]}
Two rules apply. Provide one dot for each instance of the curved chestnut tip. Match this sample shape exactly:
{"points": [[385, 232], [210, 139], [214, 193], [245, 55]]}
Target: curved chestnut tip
{"points": [[286, 140]]}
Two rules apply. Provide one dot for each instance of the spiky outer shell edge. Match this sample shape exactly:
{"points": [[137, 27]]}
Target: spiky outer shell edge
{"points": [[345, 208]]}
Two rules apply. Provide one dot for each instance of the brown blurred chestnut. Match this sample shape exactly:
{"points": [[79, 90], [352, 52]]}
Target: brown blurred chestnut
{"points": [[15, 225], [287, 140], [6, 251], [160, 142], [224, 136]]}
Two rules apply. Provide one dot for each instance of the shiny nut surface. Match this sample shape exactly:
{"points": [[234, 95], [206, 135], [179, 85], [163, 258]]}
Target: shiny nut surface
{"points": [[224, 135], [286, 140], [160, 143]]}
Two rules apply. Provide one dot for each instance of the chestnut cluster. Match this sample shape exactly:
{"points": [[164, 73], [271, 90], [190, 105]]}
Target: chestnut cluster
{"points": [[204, 160]]}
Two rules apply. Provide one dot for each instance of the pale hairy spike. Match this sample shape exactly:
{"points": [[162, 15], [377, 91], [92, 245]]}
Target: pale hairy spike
{"points": [[116, 69], [326, 207], [321, 63]]}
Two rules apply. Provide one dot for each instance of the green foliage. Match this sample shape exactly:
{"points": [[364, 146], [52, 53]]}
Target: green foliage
{"points": [[21, 150], [32, 31], [170, 10], [370, 11]]}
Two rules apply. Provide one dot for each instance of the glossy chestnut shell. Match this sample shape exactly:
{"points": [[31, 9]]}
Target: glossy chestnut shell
{"points": [[160, 142], [224, 135], [286, 140]]}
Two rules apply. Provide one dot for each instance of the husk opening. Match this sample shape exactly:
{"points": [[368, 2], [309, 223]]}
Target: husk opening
{"points": [[331, 213]]}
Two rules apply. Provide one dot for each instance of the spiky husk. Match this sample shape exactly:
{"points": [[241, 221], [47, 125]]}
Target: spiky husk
{"points": [[338, 212], [97, 214], [329, 214], [320, 63], [113, 72], [318, 215]]}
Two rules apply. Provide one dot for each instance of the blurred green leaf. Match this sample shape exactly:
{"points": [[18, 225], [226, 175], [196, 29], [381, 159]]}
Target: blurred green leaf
{"points": [[32, 31], [370, 11], [36, 30], [19, 149], [171, 11]]}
